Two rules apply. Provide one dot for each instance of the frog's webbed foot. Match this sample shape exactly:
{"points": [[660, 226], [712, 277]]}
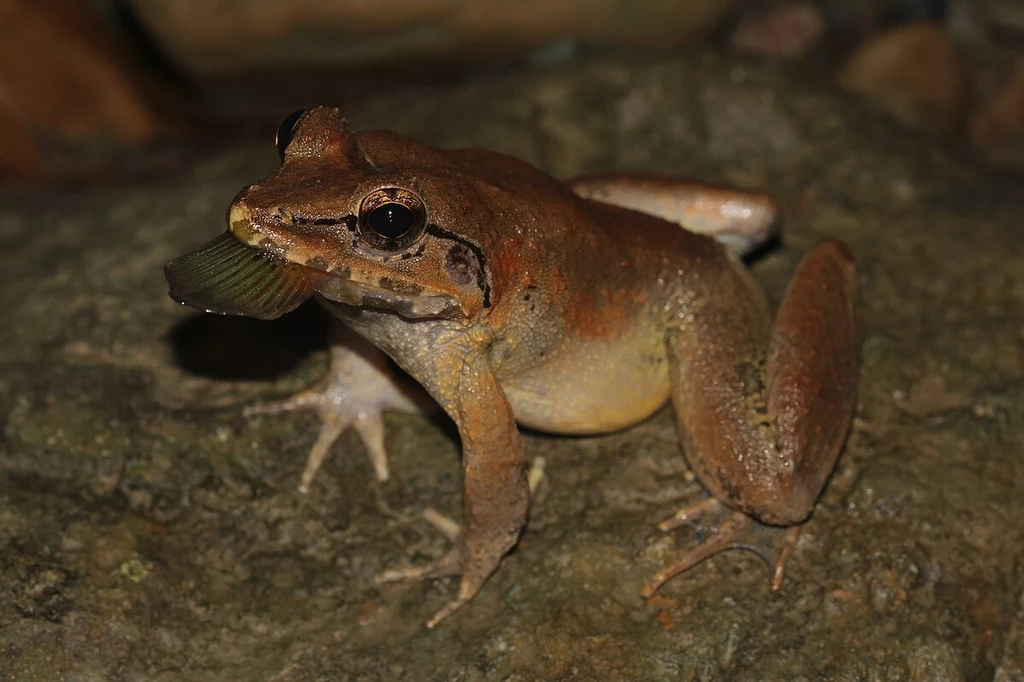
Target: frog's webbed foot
{"points": [[358, 387], [730, 530]]}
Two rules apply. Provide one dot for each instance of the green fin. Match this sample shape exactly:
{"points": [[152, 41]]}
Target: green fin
{"points": [[232, 278]]}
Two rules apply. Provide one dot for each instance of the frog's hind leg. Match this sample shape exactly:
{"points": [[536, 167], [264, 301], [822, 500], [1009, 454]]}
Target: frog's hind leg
{"points": [[742, 220], [763, 408], [729, 529], [360, 384]]}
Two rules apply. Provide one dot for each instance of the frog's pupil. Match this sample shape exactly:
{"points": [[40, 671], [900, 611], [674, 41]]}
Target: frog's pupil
{"points": [[391, 220]]}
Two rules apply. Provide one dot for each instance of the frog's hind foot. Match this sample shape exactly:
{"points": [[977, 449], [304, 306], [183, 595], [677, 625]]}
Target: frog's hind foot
{"points": [[729, 530]]}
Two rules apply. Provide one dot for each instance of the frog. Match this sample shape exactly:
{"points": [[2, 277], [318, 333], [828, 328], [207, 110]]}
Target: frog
{"points": [[511, 299]]}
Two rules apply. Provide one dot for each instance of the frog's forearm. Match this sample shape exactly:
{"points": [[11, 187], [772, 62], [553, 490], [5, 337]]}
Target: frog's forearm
{"points": [[496, 490]]}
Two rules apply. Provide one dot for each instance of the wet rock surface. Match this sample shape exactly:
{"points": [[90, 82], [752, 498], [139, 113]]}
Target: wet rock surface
{"points": [[148, 531]]}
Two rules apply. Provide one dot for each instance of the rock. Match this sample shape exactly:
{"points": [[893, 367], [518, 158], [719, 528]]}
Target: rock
{"points": [[909, 568], [914, 73]]}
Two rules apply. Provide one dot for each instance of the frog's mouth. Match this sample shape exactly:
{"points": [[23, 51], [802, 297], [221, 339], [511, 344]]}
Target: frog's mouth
{"points": [[229, 277]]}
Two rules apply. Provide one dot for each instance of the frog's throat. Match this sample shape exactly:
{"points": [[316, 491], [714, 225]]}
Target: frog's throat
{"points": [[231, 277]]}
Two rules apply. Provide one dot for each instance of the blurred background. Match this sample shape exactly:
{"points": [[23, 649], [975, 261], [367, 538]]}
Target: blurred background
{"points": [[98, 88]]}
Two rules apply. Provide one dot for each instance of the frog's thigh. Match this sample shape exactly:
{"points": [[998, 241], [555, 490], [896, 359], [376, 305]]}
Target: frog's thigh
{"points": [[763, 413], [741, 220]]}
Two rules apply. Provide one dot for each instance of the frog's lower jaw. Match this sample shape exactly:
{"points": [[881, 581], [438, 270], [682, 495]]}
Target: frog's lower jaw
{"points": [[336, 292]]}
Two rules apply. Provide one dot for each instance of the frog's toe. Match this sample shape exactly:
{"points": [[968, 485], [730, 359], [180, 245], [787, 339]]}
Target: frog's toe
{"points": [[709, 513], [337, 413], [722, 539], [445, 566], [333, 422], [302, 400], [729, 530], [466, 593], [448, 565]]}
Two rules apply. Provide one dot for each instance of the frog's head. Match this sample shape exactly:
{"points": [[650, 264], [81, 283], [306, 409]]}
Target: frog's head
{"points": [[334, 222]]}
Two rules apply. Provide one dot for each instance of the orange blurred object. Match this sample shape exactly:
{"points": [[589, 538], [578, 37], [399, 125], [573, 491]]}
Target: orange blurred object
{"points": [[913, 72], [997, 127], [64, 80], [784, 31]]}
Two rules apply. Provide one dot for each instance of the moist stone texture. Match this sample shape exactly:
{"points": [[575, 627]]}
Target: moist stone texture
{"points": [[148, 531]]}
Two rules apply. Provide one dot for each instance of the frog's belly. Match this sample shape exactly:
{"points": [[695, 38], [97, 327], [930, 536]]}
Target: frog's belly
{"points": [[594, 391]]}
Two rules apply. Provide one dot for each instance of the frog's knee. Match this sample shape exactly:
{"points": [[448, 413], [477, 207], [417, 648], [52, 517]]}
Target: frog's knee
{"points": [[783, 516], [782, 504]]}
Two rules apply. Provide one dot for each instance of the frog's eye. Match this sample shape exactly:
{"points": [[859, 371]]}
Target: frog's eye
{"points": [[286, 130], [391, 219]]}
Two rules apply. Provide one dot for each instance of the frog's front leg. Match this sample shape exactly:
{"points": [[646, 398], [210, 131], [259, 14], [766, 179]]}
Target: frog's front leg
{"points": [[495, 487], [763, 409], [742, 220], [360, 384]]}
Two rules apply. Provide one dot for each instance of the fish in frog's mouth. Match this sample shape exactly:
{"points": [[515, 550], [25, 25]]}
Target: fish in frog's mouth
{"points": [[229, 277]]}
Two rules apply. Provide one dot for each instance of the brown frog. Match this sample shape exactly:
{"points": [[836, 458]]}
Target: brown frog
{"points": [[573, 308]]}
